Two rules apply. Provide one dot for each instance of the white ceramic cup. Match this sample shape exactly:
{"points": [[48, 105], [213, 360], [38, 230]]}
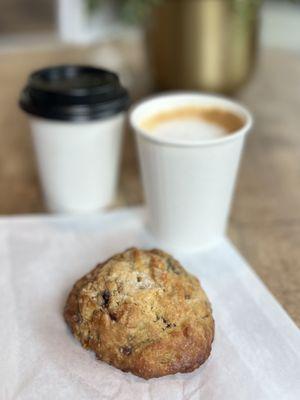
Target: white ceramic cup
{"points": [[78, 163], [188, 185]]}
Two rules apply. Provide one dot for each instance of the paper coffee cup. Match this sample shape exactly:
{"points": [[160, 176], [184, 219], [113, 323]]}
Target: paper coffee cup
{"points": [[77, 118], [188, 184]]}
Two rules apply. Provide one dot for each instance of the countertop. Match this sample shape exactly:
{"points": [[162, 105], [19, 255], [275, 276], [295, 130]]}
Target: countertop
{"points": [[265, 219]]}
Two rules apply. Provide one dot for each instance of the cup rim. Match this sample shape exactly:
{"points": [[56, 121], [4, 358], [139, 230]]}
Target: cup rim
{"points": [[241, 109]]}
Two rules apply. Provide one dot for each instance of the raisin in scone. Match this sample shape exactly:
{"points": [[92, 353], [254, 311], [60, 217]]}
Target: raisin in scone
{"points": [[142, 312]]}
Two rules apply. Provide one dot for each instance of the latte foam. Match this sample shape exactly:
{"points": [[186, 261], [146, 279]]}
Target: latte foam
{"points": [[192, 123]]}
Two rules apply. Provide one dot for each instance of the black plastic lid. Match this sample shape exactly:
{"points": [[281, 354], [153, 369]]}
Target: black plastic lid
{"points": [[74, 93]]}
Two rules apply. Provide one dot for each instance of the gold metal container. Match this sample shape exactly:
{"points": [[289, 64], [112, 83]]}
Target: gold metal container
{"points": [[203, 44]]}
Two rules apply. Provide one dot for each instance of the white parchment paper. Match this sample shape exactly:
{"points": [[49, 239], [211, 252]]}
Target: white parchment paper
{"points": [[256, 352]]}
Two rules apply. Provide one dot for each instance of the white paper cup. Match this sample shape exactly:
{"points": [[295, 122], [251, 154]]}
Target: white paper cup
{"points": [[188, 185], [77, 116], [78, 163]]}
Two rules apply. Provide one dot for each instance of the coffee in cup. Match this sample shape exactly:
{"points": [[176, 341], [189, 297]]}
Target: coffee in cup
{"points": [[192, 123], [189, 147]]}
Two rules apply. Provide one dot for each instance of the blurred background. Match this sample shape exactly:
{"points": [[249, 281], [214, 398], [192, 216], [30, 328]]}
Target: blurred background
{"points": [[243, 48]]}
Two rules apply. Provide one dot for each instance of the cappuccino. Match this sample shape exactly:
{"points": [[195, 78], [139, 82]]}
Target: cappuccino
{"points": [[192, 123], [189, 148]]}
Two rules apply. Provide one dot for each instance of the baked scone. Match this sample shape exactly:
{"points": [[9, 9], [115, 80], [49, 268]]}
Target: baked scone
{"points": [[142, 312]]}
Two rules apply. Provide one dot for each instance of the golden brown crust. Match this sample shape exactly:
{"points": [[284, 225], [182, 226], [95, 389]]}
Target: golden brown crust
{"points": [[142, 312]]}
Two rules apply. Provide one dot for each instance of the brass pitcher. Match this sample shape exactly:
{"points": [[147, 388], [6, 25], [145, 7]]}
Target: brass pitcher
{"points": [[203, 44]]}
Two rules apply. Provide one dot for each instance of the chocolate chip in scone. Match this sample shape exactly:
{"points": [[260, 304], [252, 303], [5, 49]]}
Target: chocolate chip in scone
{"points": [[126, 350], [168, 323], [172, 266], [113, 316], [106, 298]]}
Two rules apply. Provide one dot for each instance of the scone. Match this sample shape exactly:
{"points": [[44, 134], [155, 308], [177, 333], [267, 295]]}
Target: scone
{"points": [[142, 312]]}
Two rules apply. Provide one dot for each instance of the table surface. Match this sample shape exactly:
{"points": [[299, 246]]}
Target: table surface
{"points": [[265, 220]]}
